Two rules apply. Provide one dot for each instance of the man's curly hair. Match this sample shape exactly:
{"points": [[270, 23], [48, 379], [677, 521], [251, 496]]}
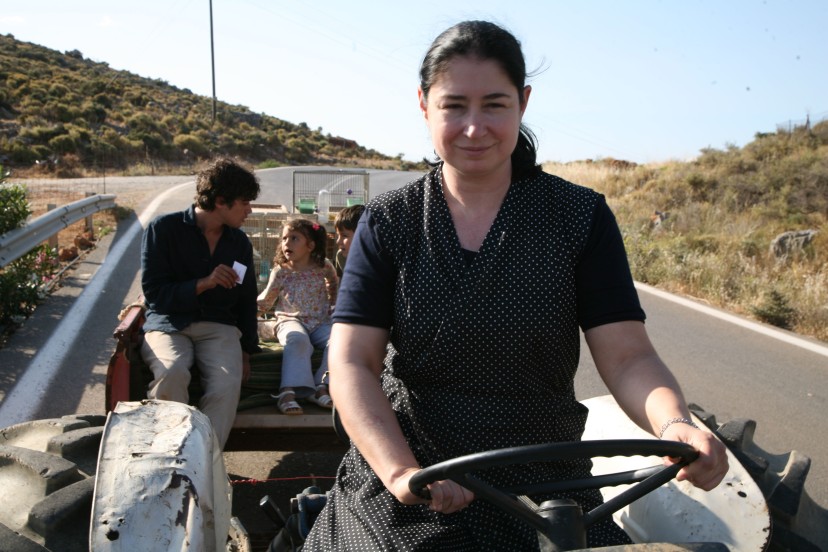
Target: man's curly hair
{"points": [[227, 179]]}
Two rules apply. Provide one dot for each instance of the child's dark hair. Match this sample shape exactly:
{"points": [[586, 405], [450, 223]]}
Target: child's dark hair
{"points": [[312, 231], [348, 217]]}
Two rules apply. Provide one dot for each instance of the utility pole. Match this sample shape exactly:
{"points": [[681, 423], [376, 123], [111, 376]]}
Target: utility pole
{"points": [[213, 60]]}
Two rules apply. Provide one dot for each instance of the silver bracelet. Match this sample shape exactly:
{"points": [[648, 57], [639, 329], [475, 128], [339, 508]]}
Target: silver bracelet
{"points": [[672, 421]]}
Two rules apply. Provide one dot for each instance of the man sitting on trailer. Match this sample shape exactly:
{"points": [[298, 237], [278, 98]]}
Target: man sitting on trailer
{"points": [[200, 289]]}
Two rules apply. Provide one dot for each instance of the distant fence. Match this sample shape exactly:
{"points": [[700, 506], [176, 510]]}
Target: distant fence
{"points": [[18, 242], [40, 192], [790, 125]]}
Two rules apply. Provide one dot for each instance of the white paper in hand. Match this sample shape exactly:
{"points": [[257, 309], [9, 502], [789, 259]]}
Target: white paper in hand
{"points": [[240, 270]]}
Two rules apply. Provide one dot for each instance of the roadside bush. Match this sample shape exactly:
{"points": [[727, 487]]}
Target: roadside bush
{"points": [[69, 166], [269, 164], [21, 284], [21, 280], [775, 310], [14, 209]]}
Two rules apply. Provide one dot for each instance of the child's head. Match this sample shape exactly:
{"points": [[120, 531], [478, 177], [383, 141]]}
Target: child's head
{"points": [[315, 240], [345, 224]]}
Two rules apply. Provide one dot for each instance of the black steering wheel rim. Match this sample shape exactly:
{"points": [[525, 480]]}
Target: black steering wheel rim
{"points": [[458, 470]]}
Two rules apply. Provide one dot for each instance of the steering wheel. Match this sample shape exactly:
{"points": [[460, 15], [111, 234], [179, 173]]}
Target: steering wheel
{"points": [[509, 499]]}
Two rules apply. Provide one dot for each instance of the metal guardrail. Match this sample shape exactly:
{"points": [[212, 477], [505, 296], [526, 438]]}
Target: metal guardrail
{"points": [[18, 242]]}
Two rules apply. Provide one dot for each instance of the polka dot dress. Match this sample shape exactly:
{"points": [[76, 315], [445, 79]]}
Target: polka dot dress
{"points": [[483, 356]]}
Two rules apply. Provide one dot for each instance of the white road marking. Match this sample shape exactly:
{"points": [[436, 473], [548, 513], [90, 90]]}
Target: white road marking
{"points": [[721, 315], [24, 400]]}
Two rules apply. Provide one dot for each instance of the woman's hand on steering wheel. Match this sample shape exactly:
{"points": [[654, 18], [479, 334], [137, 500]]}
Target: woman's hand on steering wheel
{"points": [[710, 467], [447, 497]]}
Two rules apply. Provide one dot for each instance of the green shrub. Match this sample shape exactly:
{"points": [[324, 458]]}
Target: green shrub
{"points": [[93, 113], [63, 144], [21, 280], [14, 209], [192, 144], [749, 247], [21, 283], [58, 90], [775, 310], [702, 187]]}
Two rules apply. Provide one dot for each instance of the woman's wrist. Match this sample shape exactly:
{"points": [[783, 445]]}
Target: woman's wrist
{"points": [[676, 420]]}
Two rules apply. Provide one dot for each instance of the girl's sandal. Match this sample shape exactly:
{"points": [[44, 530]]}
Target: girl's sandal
{"points": [[287, 405], [324, 400]]}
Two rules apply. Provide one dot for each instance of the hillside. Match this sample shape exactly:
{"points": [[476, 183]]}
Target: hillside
{"points": [[744, 229], [66, 115]]}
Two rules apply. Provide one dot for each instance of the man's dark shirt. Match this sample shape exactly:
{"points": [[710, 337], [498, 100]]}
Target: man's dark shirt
{"points": [[174, 256]]}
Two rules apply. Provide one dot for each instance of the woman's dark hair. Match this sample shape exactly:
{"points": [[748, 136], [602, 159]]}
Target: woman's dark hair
{"points": [[227, 179], [313, 232], [485, 41]]}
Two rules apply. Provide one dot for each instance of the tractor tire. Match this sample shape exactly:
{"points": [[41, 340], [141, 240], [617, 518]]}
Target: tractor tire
{"points": [[48, 467], [48, 472], [797, 523]]}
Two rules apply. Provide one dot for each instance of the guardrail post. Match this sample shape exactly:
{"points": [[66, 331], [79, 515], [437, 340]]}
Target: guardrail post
{"points": [[53, 239], [90, 226]]}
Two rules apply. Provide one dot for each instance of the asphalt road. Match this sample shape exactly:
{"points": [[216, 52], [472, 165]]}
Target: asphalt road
{"points": [[56, 364]]}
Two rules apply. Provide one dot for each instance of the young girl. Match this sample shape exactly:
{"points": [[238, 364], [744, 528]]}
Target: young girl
{"points": [[302, 286]]}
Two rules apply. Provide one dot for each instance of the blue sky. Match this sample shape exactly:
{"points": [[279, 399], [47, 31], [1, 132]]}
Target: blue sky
{"points": [[637, 80]]}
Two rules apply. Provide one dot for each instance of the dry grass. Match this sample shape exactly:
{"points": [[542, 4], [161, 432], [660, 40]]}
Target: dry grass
{"points": [[707, 251]]}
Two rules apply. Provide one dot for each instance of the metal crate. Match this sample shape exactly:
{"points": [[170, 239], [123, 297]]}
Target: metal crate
{"points": [[343, 188]]}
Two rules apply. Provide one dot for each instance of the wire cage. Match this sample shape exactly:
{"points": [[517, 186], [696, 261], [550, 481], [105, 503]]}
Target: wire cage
{"points": [[264, 228], [326, 191]]}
